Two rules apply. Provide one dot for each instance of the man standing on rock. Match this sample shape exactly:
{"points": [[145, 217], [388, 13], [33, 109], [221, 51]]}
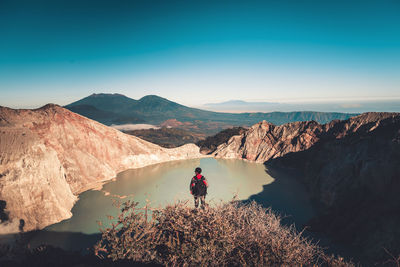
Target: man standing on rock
{"points": [[198, 188]]}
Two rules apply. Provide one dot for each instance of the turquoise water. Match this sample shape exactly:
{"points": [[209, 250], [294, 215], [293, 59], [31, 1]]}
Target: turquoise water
{"points": [[165, 183]]}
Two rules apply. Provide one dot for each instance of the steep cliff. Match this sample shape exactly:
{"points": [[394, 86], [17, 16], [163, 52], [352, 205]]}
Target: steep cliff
{"points": [[355, 181], [351, 169], [264, 141], [50, 155]]}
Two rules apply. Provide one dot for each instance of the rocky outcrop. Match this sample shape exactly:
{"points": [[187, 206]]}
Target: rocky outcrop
{"points": [[351, 169], [50, 155], [264, 141], [355, 182]]}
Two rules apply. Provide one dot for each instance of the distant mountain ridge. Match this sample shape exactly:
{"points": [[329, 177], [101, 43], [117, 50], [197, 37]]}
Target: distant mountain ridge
{"points": [[237, 102], [116, 109], [347, 106], [232, 103], [151, 108]]}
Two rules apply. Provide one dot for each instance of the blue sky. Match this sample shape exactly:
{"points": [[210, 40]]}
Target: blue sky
{"points": [[196, 52]]}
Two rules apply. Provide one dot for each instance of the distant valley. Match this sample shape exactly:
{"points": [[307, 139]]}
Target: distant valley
{"points": [[350, 106], [118, 109], [175, 124], [167, 137]]}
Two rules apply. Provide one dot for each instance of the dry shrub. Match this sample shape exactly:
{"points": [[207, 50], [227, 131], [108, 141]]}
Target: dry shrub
{"points": [[229, 234]]}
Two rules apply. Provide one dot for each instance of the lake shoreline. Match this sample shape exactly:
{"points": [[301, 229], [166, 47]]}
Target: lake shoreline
{"points": [[245, 171]]}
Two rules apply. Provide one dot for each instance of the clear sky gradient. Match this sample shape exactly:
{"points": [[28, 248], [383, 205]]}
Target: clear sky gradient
{"points": [[196, 52]]}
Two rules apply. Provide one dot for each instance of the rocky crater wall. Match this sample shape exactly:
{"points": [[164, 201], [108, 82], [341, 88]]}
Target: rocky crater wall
{"points": [[351, 169], [50, 155]]}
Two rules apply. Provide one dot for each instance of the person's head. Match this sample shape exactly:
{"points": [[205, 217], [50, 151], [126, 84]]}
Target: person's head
{"points": [[197, 170]]}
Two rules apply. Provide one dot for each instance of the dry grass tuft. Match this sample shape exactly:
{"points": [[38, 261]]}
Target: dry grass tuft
{"points": [[229, 234]]}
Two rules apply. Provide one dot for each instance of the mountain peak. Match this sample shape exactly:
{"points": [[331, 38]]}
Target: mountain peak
{"points": [[103, 99], [153, 97], [100, 95], [50, 106]]}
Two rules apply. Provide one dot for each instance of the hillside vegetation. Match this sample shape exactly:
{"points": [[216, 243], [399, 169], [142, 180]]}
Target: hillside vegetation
{"points": [[229, 234], [167, 137], [174, 137], [211, 143]]}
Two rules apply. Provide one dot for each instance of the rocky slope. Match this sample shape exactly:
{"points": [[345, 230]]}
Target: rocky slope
{"points": [[50, 155], [264, 141], [351, 169]]}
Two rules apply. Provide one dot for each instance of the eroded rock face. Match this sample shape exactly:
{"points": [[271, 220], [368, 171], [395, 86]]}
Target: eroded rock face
{"points": [[351, 169], [264, 141], [326, 150], [50, 155]]}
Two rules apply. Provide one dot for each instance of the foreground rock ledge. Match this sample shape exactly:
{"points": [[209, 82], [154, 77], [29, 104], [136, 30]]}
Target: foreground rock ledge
{"points": [[50, 155]]}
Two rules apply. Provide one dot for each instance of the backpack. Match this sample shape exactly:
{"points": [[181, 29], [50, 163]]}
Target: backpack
{"points": [[199, 188]]}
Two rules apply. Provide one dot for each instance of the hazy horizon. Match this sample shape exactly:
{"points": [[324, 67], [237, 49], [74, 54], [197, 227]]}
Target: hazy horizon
{"points": [[318, 105], [198, 52]]}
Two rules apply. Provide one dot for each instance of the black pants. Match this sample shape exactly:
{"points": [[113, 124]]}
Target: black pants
{"points": [[202, 199]]}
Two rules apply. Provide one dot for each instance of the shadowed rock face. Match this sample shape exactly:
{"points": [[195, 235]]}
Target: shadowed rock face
{"points": [[50, 155], [351, 169], [265, 141], [355, 181]]}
